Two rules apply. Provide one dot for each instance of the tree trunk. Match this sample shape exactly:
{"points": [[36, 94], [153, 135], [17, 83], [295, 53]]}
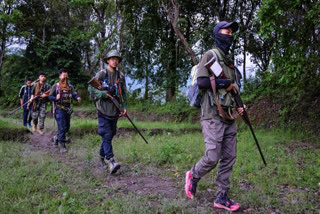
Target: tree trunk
{"points": [[146, 86], [170, 94], [244, 65], [2, 50]]}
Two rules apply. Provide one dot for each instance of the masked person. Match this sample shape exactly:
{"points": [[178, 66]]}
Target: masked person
{"points": [[39, 99], [62, 93], [25, 96], [113, 82], [219, 133]]}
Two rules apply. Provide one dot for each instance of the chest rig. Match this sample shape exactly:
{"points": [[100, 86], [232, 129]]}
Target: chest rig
{"points": [[65, 97], [115, 87]]}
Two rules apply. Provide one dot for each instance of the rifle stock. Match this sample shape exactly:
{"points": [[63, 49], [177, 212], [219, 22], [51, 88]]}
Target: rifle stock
{"points": [[96, 84]]}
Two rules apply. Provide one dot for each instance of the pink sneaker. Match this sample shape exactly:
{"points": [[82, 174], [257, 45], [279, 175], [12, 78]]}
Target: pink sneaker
{"points": [[223, 202], [191, 185]]}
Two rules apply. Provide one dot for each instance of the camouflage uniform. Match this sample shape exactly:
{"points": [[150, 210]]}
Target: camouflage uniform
{"points": [[40, 108]]}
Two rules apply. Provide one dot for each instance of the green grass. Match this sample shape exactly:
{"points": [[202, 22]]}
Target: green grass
{"points": [[35, 181], [90, 123]]}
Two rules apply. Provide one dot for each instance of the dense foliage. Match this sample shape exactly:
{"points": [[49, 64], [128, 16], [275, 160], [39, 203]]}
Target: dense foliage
{"points": [[154, 37]]}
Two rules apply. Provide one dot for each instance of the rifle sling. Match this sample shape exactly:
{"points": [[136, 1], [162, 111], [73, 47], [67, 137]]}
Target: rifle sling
{"points": [[220, 109]]}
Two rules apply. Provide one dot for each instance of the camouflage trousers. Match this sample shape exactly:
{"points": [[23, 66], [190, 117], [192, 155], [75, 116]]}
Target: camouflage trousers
{"points": [[39, 112], [221, 145]]}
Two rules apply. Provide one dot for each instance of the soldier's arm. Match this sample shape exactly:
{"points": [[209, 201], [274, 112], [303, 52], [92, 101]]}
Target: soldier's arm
{"points": [[53, 93], [98, 94], [21, 93], [74, 93], [203, 79]]}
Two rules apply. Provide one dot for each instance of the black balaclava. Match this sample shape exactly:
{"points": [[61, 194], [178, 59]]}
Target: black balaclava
{"points": [[224, 41]]}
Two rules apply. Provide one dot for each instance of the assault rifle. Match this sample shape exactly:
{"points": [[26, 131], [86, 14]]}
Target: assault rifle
{"points": [[21, 106], [96, 84], [216, 71], [245, 117]]}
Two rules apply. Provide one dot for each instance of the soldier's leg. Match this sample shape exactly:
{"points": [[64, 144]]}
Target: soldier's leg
{"points": [[212, 130], [61, 125], [61, 121], [42, 116], [25, 115], [113, 128], [68, 119], [105, 131], [228, 158], [35, 115], [29, 116]]}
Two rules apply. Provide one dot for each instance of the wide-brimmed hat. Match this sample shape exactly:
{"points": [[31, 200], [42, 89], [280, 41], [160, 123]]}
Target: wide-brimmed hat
{"points": [[113, 53]]}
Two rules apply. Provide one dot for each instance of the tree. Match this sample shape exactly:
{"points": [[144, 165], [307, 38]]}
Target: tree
{"points": [[100, 30], [151, 48], [8, 17], [296, 49]]}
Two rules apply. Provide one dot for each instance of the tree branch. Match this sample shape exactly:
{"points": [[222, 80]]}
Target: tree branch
{"points": [[173, 14]]}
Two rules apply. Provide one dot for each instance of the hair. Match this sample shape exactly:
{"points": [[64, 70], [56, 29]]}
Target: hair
{"points": [[42, 73], [62, 71], [28, 79]]}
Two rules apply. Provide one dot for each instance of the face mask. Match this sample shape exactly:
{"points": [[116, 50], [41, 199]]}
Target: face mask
{"points": [[224, 42]]}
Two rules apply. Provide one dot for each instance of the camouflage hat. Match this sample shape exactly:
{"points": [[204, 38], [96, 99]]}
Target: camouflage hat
{"points": [[112, 53]]}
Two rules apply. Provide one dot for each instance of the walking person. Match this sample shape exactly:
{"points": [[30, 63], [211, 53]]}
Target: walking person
{"points": [[113, 82], [25, 96], [219, 133], [39, 99], [62, 93]]}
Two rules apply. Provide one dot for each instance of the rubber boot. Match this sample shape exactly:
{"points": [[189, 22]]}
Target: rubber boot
{"points": [[113, 166], [63, 148], [104, 165], [55, 141]]}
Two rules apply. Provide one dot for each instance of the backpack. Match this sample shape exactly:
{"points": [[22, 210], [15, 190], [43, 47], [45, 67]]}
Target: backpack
{"points": [[192, 88]]}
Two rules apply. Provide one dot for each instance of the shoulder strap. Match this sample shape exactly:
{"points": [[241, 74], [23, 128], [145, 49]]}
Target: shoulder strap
{"points": [[220, 109], [224, 115], [218, 55]]}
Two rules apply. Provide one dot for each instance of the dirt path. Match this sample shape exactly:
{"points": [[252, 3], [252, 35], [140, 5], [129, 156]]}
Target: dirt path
{"points": [[125, 181]]}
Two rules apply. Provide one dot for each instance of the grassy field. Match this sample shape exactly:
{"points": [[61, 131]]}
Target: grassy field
{"points": [[35, 179]]}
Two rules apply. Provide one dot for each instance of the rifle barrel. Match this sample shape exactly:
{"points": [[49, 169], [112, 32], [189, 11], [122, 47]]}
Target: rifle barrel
{"points": [[16, 109], [245, 117], [254, 137]]}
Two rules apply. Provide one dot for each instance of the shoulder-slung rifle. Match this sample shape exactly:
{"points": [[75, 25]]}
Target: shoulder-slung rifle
{"points": [[96, 84], [237, 98]]}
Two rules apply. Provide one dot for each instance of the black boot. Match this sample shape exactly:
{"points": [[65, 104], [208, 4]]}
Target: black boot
{"points": [[63, 148], [113, 166], [104, 165]]}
